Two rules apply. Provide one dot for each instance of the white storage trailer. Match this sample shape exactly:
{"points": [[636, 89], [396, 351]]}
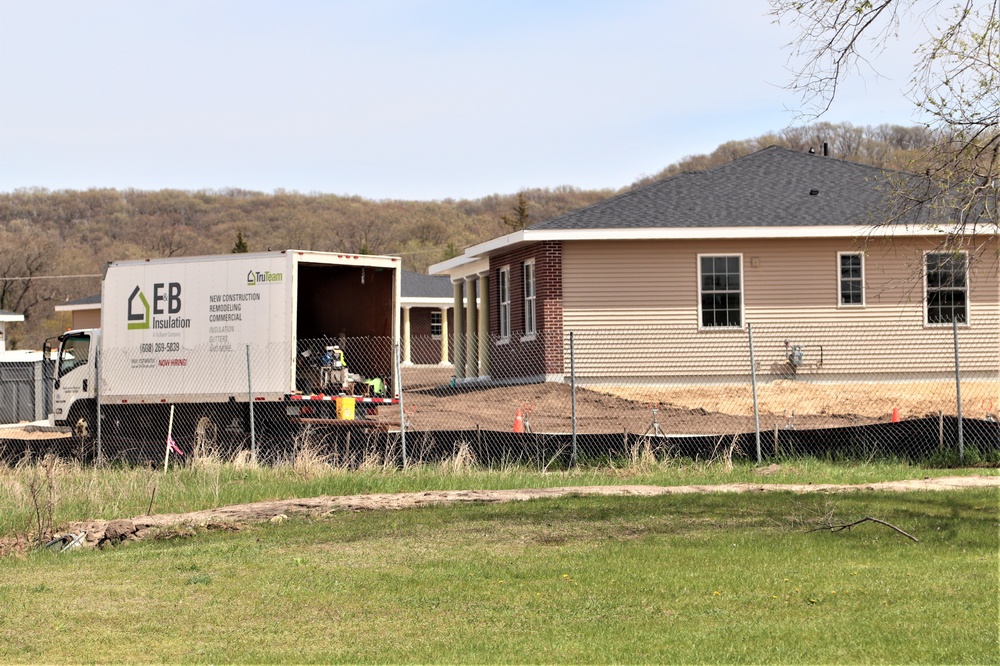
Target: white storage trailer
{"points": [[185, 332]]}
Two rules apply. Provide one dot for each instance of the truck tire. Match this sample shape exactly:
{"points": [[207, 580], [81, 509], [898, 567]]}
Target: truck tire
{"points": [[206, 436], [83, 425]]}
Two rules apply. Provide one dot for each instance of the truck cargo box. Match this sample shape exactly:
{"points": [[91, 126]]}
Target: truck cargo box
{"points": [[186, 329]]}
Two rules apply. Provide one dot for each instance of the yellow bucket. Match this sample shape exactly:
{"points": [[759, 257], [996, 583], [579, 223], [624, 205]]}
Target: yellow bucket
{"points": [[345, 409]]}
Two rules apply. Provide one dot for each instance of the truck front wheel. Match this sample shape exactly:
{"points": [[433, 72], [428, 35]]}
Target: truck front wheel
{"points": [[83, 424]]}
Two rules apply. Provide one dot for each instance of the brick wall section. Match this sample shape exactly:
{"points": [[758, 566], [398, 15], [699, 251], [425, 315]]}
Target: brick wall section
{"points": [[544, 355], [425, 350]]}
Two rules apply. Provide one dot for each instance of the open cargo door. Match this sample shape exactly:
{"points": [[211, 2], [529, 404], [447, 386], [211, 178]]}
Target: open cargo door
{"points": [[354, 307]]}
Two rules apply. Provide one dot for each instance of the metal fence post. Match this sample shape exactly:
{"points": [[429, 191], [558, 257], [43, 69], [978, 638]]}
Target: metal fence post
{"points": [[572, 386], [402, 409], [753, 385], [38, 375], [253, 432], [958, 392], [97, 392]]}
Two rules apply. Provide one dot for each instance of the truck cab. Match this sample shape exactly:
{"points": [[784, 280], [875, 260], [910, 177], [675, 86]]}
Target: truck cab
{"points": [[74, 394]]}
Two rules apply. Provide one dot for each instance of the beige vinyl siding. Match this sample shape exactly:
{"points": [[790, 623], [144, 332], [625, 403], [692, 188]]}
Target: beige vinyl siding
{"points": [[87, 318], [790, 292]]}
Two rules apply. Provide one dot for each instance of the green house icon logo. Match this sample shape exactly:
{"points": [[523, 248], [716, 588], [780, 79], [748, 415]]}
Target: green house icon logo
{"points": [[138, 318], [251, 279]]}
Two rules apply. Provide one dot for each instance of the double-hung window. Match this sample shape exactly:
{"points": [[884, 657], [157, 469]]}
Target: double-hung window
{"points": [[436, 324], [720, 291], [851, 282], [503, 284], [529, 298], [947, 287]]}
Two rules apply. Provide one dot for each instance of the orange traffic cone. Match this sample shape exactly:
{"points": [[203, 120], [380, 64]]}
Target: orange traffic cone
{"points": [[895, 414], [518, 421]]}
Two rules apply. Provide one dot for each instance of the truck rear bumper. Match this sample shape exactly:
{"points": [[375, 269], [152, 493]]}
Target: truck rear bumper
{"points": [[358, 399]]}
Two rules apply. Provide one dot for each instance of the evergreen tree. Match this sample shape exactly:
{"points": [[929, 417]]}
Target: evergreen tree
{"points": [[518, 218], [241, 246]]}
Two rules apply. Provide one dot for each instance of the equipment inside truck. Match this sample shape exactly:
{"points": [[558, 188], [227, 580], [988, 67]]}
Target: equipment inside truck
{"points": [[348, 307]]}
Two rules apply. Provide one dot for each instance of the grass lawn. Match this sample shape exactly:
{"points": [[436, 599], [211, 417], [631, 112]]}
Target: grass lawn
{"points": [[694, 578]]}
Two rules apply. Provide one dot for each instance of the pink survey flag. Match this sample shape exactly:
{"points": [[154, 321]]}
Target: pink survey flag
{"points": [[173, 446]]}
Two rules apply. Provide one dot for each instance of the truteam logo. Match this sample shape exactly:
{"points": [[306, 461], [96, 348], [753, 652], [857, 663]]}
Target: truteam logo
{"points": [[263, 277], [164, 294]]}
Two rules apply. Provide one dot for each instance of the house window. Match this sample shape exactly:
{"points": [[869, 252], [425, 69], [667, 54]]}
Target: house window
{"points": [[529, 298], [436, 324], [721, 292], [503, 283], [852, 278], [947, 287]]}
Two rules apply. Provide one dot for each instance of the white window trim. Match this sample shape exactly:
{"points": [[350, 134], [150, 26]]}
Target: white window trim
{"points": [[437, 336], [864, 286], [503, 285], [743, 292], [968, 291], [529, 334]]}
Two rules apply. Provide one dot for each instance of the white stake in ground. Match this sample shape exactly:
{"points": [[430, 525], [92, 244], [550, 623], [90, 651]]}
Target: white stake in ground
{"points": [[170, 430]]}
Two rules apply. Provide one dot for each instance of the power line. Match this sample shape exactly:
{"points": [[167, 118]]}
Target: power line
{"points": [[49, 277]]}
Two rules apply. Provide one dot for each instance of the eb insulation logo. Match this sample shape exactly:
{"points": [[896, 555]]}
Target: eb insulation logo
{"points": [[164, 294], [138, 319]]}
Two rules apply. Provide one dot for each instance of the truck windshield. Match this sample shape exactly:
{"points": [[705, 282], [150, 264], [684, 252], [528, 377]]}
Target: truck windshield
{"points": [[75, 351]]}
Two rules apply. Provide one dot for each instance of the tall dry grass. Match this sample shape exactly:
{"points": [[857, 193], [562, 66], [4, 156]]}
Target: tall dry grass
{"points": [[37, 497]]}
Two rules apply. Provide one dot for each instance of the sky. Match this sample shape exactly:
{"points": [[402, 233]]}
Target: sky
{"points": [[395, 99]]}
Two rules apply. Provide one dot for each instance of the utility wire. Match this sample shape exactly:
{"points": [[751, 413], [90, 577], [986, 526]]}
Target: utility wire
{"points": [[48, 277]]}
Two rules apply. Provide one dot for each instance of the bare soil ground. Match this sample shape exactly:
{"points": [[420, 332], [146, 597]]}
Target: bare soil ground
{"points": [[27, 431], [862, 400], [693, 409], [109, 532]]}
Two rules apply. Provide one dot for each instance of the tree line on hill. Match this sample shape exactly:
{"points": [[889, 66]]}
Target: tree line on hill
{"points": [[53, 244]]}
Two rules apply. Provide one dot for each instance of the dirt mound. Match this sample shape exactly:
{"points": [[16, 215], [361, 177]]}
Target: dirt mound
{"points": [[109, 532]]}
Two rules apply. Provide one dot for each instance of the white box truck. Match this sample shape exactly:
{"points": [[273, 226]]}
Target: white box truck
{"points": [[210, 334]]}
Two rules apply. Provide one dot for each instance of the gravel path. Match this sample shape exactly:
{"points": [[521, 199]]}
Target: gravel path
{"points": [[101, 532]]}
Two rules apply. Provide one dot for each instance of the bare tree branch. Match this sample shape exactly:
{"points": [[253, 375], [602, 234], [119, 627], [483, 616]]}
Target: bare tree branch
{"points": [[866, 519], [955, 84]]}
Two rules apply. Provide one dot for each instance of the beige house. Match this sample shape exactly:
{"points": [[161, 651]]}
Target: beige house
{"points": [[85, 312], [664, 281]]}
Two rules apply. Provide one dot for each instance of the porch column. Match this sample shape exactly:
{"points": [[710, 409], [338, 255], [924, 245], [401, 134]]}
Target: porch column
{"points": [[444, 336], [459, 330], [471, 329], [406, 336], [484, 324]]}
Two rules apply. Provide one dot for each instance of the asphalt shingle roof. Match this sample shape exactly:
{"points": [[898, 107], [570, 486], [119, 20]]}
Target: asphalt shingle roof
{"points": [[418, 285], [86, 300], [769, 188]]}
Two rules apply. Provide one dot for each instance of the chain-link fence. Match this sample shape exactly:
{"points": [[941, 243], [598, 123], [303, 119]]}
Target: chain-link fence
{"points": [[770, 391]]}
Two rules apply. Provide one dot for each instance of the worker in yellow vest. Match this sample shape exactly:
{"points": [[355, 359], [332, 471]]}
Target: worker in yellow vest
{"points": [[333, 366]]}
